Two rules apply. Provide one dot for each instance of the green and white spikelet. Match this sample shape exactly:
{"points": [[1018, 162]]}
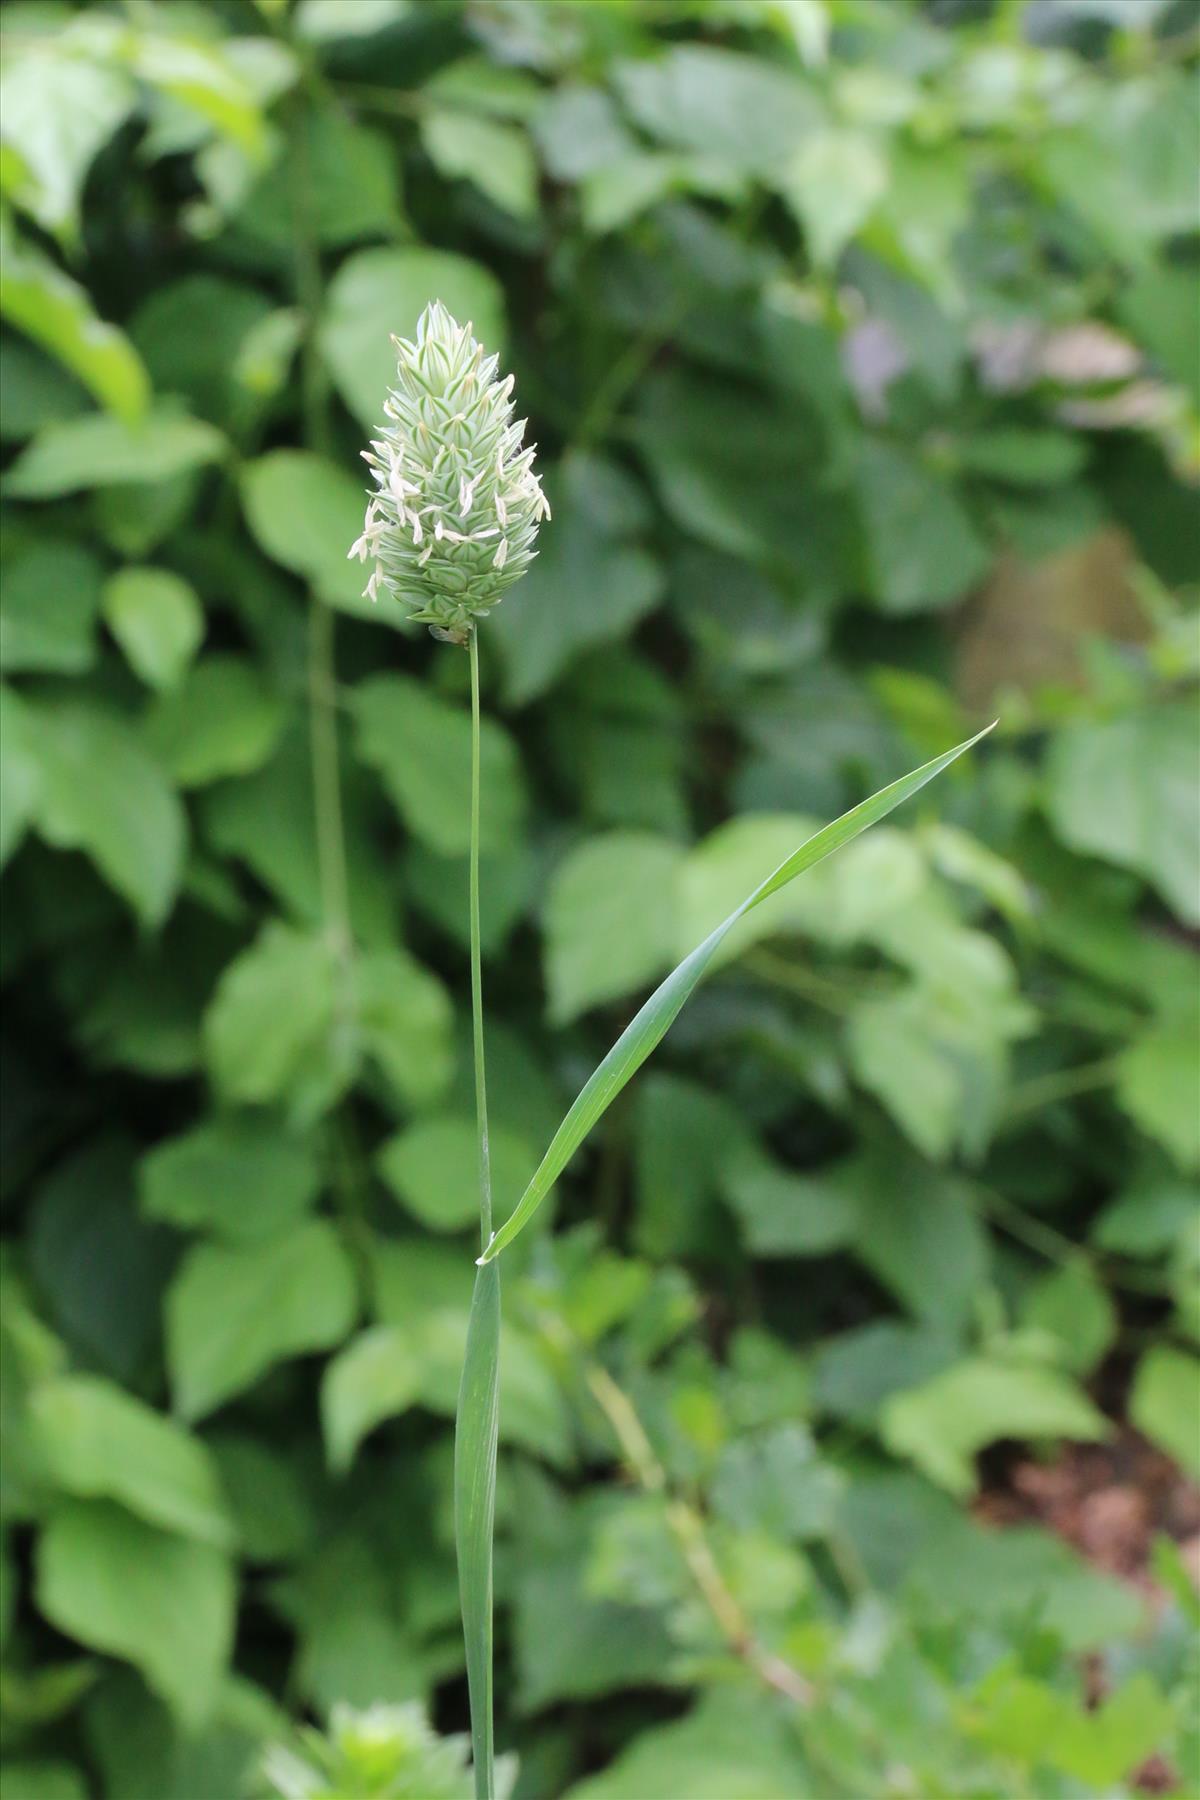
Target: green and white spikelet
{"points": [[455, 515]]}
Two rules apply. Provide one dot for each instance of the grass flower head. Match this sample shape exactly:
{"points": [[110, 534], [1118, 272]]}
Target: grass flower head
{"points": [[454, 517]]}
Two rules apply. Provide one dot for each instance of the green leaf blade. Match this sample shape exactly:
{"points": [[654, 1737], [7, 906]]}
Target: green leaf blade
{"points": [[475, 1439], [650, 1025]]}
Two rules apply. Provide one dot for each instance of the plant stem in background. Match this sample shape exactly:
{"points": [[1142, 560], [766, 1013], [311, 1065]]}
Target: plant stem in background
{"points": [[687, 1528], [478, 1419]]}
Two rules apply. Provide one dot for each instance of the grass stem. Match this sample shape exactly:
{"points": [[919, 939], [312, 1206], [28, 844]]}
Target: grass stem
{"points": [[481, 1114], [477, 1424]]}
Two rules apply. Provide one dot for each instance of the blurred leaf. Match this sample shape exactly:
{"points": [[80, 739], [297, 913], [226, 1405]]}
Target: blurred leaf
{"points": [[856, 1371], [378, 293], [615, 193], [1123, 789], [920, 216], [416, 1359], [36, 388], [1148, 1218], [681, 1132], [432, 1167], [20, 772], [1165, 1404], [58, 110], [944, 1423], [273, 1519], [44, 1781], [580, 132], [48, 612], [785, 1214], [305, 513], [1022, 457], [350, 190], [375, 1377], [483, 86], [102, 1443], [592, 581], [741, 111], [922, 549], [918, 1233], [157, 620], [99, 450], [268, 821], [405, 1017], [729, 1746], [323, 20], [190, 335], [240, 1176], [99, 1268], [609, 924], [832, 183], [1157, 1081], [232, 1313], [776, 1483], [1072, 1307], [222, 719], [99, 792], [49, 307], [421, 747], [268, 1027], [1128, 169], [496, 157], [738, 469], [164, 1603], [567, 1644]]}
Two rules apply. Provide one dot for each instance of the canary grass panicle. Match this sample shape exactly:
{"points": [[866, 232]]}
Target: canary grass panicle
{"points": [[455, 515]]}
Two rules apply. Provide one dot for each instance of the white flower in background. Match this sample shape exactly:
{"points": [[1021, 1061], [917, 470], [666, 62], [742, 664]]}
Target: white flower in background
{"points": [[455, 515]]}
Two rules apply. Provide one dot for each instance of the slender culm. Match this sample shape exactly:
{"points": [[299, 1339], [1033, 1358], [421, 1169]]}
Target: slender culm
{"points": [[450, 526]]}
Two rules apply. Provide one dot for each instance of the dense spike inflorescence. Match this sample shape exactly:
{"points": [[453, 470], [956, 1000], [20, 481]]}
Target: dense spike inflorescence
{"points": [[455, 515]]}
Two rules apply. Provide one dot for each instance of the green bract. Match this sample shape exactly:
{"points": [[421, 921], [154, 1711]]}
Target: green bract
{"points": [[455, 517]]}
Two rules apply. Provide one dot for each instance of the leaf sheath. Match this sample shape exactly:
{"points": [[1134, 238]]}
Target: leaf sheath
{"points": [[475, 1507]]}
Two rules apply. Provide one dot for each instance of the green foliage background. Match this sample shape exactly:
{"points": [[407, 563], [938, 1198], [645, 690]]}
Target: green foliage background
{"points": [[859, 340]]}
